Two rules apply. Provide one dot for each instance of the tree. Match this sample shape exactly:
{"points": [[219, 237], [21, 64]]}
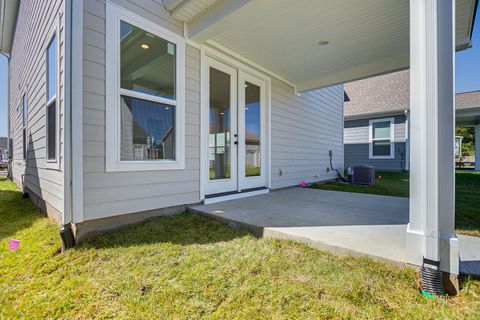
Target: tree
{"points": [[468, 144]]}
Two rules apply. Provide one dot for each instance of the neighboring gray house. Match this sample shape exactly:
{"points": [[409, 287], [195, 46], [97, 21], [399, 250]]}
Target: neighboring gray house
{"points": [[377, 112], [3, 152]]}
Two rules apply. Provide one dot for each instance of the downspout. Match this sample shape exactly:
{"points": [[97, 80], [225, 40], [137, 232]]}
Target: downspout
{"points": [[407, 140], [9, 166], [66, 232]]}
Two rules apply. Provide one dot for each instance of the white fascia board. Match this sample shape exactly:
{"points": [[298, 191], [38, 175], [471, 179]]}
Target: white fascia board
{"points": [[375, 115]]}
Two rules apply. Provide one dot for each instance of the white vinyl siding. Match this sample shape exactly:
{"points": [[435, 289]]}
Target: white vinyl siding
{"points": [[36, 20], [303, 130], [115, 193]]}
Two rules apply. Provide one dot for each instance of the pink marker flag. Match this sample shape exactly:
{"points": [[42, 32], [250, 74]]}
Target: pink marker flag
{"points": [[13, 244], [303, 184]]}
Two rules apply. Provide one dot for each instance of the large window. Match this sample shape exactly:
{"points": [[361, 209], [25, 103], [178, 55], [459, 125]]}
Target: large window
{"points": [[381, 139], [51, 113], [145, 94]]}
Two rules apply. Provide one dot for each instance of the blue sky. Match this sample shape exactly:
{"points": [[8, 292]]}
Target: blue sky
{"points": [[467, 74]]}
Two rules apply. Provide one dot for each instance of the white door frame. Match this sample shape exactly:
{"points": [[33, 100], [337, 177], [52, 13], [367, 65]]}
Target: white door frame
{"points": [[228, 184], [206, 53]]}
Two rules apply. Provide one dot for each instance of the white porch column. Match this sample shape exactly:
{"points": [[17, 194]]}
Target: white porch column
{"points": [[431, 230], [477, 148]]}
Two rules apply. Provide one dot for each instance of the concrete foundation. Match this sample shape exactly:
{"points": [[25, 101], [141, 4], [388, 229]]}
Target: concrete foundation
{"points": [[52, 213], [91, 228]]}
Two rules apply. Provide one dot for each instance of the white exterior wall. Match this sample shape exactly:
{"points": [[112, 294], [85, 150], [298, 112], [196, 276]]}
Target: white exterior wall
{"points": [[304, 128], [36, 20]]}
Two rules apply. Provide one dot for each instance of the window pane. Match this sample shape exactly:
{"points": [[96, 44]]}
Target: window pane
{"points": [[219, 139], [51, 69], [147, 130], [24, 133], [51, 128], [252, 130], [24, 111], [381, 130], [147, 62], [24, 123], [381, 148]]}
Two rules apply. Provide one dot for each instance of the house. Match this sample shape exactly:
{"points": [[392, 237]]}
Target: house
{"points": [[377, 112], [121, 110], [3, 152]]}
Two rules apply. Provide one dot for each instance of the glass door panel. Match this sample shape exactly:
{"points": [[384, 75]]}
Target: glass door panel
{"points": [[219, 139], [221, 133], [251, 131], [253, 147]]}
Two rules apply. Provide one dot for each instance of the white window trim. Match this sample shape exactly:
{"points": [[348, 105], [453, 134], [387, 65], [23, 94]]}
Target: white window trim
{"points": [[392, 138], [113, 91], [53, 163]]}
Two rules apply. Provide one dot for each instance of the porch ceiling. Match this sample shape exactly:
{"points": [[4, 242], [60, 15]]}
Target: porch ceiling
{"points": [[365, 37]]}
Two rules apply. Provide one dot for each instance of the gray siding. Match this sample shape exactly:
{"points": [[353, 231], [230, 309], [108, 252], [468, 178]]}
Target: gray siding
{"points": [[115, 193], [36, 20], [357, 145], [303, 129]]}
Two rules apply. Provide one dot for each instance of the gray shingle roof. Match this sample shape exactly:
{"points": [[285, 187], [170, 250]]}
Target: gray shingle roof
{"points": [[390, 93]]}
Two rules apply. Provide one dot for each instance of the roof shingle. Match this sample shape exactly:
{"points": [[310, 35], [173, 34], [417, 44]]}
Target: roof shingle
{"points": [[390, 93]]}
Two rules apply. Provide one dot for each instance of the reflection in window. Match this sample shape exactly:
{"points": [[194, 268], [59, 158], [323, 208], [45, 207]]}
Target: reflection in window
{"points": [[51, 134], [147, 62], [219, 137], [147, 130], [252, 130]]}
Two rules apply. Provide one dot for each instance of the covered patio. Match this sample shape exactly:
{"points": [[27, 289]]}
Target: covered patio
{"points": [[340, 222], [315, 44]]}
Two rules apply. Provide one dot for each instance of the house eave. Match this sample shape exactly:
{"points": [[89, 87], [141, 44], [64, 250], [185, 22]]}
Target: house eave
{"points": [[8, 18], [375, 114]]}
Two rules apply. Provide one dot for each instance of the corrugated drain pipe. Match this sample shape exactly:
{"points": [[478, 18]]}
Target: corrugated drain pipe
{"points": [[432, 279]]}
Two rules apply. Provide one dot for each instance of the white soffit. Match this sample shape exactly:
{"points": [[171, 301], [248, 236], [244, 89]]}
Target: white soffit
{"points": [[8, 16], [186, 10], [366, 38]]}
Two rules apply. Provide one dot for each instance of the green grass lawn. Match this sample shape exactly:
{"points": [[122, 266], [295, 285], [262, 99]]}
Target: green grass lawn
{"points": [[467, 195], [190, 267]]}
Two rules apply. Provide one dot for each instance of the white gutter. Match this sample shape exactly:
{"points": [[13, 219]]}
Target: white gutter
{"points": [[73, 123], [72, 166], [375, 115], [67, 167]]}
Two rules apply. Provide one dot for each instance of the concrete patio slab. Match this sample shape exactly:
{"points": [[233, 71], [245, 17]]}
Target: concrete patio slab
{"points": [[340, 222]]}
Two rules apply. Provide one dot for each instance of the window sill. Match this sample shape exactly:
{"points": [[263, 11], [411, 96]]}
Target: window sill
{"points": [[52, 165], [145, 166], [382, 158]]}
